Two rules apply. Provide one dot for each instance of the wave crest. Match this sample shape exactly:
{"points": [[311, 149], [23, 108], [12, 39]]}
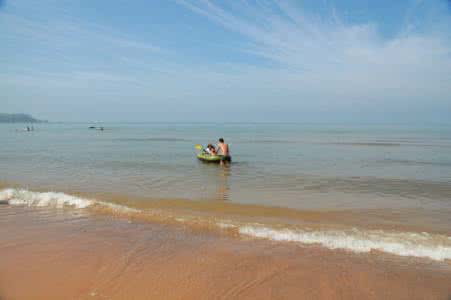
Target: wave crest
{"points": [[423, 245], [42, 199], [436, 247]]}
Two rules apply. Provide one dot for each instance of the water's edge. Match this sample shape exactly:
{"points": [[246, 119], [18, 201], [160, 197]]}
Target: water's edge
{"points": [[360, 240]]}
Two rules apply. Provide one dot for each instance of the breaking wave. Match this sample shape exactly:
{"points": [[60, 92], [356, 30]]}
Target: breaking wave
{"points": [[424, 245], [436, 247]]}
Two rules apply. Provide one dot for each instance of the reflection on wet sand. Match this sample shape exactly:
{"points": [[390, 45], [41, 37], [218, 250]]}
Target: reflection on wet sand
{"points": [[223, 187], [56, 254], [217, 181]]}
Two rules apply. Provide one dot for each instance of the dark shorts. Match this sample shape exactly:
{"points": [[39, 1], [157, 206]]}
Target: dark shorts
{"points": [[226, 158]]}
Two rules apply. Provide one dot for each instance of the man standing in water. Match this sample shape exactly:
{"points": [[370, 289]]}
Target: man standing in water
{"points": [[223, 150]]}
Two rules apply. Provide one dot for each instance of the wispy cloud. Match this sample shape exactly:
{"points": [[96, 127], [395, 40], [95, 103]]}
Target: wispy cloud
{"points": [[333, 58], [68, 43], [283, 33], [315, 62]]}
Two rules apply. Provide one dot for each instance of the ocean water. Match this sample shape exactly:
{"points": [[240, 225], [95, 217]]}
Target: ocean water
{"points": [[375, 176]]}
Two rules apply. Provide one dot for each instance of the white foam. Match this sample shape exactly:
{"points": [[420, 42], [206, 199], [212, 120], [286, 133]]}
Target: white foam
{"points": [[226, 225], [433, 246], [42, 199], [58, 200], [117, 207], [436, 247]]}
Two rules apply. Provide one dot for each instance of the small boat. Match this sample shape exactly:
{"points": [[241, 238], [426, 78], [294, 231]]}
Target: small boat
{"points": [[205, 157], [96, 128]]}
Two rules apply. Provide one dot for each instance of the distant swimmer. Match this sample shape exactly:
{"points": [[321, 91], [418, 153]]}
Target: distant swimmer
{"points": [[96, 128], [26, 129], [224, 152]]}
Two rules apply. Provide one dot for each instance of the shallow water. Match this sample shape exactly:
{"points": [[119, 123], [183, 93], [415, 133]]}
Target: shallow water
{"points": [[289, 165], [376, 177]]}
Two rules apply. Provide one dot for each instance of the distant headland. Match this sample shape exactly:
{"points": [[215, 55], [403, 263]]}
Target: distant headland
{"points": [[19, 118]]}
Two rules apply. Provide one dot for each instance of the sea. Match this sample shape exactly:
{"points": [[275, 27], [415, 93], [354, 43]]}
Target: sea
{"points": [[354, 187]]}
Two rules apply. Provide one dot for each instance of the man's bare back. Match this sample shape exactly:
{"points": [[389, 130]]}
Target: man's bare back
{"points": [[224, 151]]}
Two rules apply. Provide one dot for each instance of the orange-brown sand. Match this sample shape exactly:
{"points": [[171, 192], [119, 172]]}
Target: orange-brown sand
{"points": [[54, 254]]}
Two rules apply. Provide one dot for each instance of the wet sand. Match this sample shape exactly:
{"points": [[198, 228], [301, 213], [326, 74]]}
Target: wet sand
{"points": [[195, 211], [73, 254]]}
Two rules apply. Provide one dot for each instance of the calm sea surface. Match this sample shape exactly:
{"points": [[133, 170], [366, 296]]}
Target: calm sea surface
{"points": [[359, 188], [289, 165]]}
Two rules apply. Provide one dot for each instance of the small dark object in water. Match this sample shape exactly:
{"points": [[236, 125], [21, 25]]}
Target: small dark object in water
{"points": [[92, 127]]}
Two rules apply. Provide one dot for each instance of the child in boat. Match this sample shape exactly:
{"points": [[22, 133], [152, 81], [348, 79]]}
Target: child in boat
{"points": [[210, 149]]}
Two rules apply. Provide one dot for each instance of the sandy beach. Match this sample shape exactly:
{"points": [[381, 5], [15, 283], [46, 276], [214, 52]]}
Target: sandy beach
{"points": [[67, 254], [211, 149], [116, 215]]}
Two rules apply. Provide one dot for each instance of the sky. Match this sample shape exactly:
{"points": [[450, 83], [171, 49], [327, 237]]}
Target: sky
{"points": [[227, 61]]}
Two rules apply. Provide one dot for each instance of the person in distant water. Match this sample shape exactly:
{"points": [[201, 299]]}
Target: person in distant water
{"points": [[224, 152]]}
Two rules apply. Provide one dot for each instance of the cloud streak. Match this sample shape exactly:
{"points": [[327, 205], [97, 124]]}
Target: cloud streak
{"points": [[344, 62], [67, 43], [285, 34], [308, 63]]}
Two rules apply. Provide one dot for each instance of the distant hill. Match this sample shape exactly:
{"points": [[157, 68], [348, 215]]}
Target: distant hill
{"points": [[18, 118]]}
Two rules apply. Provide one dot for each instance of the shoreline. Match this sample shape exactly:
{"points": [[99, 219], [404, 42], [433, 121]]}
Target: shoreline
{"points": [[336, 230], [74, 254], [397, 219]]}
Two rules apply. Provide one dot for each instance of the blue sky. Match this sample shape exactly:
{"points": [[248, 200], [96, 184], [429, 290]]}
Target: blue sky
{"points": [[255, 60]]}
